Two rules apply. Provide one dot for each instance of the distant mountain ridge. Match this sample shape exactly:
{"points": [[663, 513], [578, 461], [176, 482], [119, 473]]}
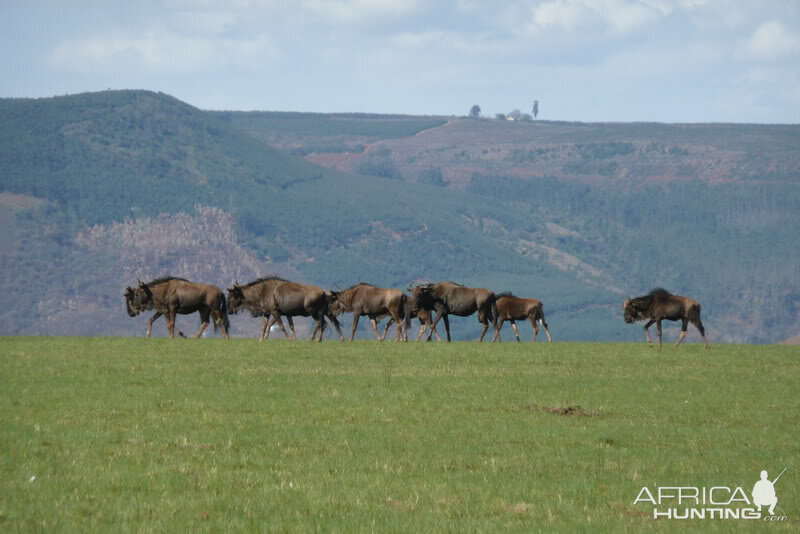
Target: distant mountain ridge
{"points": [[574, 214]]}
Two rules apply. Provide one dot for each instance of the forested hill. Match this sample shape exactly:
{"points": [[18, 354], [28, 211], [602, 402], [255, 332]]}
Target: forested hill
{"points": [[100, 189]]}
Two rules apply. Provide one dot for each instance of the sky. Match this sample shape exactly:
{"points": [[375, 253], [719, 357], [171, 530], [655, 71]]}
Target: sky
{"points": [[583, 60]]}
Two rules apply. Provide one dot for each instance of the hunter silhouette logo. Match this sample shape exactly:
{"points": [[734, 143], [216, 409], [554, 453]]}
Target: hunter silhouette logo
{"points": [[715, 502], [764, 492]]}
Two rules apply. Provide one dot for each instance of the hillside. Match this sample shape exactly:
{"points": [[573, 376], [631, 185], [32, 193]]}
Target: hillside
{"points": [[101, 189]]}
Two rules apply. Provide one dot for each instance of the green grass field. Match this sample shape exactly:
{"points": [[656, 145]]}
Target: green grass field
{"points": [[199, 435]]}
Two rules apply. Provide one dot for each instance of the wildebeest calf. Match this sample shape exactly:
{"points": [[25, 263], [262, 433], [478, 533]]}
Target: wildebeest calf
{"points": [[513, 308], [415, 312]]}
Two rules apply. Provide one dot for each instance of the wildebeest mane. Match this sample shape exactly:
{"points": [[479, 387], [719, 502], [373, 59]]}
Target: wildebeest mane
{"points": [[267, 278], [164, 279], [659, 291], [507, 294], [355, 286], [643, 303]]}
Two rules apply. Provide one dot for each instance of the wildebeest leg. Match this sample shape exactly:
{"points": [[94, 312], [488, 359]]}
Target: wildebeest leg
{"points": [[356, 315], [400, 325], [203, 326], [516, 332], [277, 318], [219, 322], [699, 325], [374, 324], [335, 322], [446, 326], [170, 317], [291, 327], [422, 327], [204, 314], [436, 320], [646, 333], [485, 322], [150, 324], [264, 329], [434, 331], [386, 328], [546, 330], [269, 325], [658, 329], [535, 328], [320, 325], [500, 322]]}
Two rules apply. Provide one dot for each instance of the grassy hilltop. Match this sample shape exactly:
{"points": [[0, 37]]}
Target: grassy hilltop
{"points": [[133, 434], [100, 189]]}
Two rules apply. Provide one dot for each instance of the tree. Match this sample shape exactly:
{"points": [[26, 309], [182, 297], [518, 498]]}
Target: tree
{"points": [[535, 108], [500, 116], [475, 111], [515, 114]]}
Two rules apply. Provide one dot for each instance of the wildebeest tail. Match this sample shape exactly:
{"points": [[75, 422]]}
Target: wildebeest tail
{"points": [[495, 313], [406, 313], [223, 310]]}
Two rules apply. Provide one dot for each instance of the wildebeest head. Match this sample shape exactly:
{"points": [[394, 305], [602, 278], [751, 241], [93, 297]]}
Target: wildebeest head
{"points": [[423, 296], [630, 312], [235, 298], [138, 299], [333, 304], [130, 302]]}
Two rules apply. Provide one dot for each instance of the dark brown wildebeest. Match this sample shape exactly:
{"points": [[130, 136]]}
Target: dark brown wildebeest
{"points": [[658, 305], [332, 311], [170, 296], [447, 298], [423, 315], [273, 296], [374, 302], [513, 309]]}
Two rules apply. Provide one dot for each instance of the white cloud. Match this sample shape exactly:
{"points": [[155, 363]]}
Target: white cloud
{"points": [[770, 41], [626, 17], [597, 16], [360, 11], [560, 13], [159, 51], [207, 22]]}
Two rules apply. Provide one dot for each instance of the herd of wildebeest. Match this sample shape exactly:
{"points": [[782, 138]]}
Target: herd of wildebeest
{"points": [[273, 297]]}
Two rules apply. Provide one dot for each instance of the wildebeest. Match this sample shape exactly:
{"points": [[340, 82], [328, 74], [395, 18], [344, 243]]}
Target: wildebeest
{"points": [[658, 305], [513, 308], [414, 312], [450, 298], [332, 310], [170, 296], [374, 302], [272, 297]]}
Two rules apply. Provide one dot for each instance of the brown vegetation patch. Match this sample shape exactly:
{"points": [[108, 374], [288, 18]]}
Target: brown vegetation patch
{"points": [[566, 411]]}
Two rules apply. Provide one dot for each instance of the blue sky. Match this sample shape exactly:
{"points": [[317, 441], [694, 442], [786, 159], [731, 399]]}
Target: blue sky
{"points": [[603, 60]]}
